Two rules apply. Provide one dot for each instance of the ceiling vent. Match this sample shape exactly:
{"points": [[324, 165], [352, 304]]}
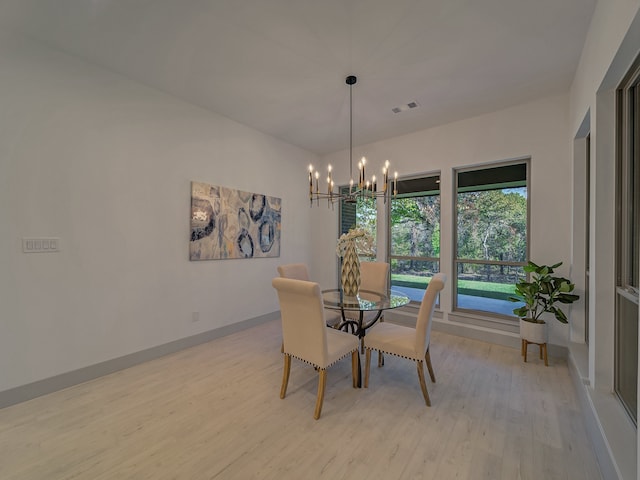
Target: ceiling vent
{"points": [[405, 107]]}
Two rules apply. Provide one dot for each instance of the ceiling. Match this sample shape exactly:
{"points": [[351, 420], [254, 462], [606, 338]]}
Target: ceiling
{"points": [[280, 65]]}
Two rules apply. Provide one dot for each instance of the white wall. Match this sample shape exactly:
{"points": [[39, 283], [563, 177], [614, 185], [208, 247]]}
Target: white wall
{"points": [[613, 42], [105, 164], [538, 130], [611, 21]]}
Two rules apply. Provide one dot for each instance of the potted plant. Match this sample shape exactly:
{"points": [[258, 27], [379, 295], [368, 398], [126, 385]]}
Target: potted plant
{"points": [[541, 294]]}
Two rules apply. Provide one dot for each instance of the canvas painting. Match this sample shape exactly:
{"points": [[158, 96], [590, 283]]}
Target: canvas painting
{"points": [[228, 223]]}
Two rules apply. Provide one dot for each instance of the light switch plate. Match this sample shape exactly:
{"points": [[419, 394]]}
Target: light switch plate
{"points": [[40, 245]]}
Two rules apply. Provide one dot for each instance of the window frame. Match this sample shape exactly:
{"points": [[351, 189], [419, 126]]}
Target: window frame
{"points": [[627, 276], [455, 260], [343, 228], [427, 175]]}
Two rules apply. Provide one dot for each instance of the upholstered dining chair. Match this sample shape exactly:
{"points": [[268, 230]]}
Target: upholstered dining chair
{"points": [[306, 337], [374, 276], [299, 271], [407, 342]]}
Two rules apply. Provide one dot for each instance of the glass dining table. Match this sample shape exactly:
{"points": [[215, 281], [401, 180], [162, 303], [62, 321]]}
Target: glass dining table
{"points": [[365, 301]]}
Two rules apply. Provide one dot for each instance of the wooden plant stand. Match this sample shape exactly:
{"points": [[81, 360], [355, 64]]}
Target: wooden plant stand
{"points": [[543, 348]]}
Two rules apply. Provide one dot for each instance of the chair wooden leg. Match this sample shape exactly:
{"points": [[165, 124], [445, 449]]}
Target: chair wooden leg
{"points": [[423, 384], [355, 359], [367, 366], [546, 363], [525, 346], [380, 358], [322, 381], [427, 357], [285, 375]]}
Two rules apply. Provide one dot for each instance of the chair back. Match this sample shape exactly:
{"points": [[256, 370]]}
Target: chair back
{"points": [[297, 271], [423, 323], [303, 327], [374, 276]]}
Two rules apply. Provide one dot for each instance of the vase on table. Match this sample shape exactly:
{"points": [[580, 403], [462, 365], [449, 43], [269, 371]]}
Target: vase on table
{"points": [[350, 274]]}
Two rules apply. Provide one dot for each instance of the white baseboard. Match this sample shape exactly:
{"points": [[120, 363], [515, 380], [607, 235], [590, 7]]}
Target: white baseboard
{"points": [[608, 427]]}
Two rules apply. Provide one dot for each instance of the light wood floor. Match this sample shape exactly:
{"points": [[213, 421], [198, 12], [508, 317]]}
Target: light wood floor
{"points": [[214, 412]]}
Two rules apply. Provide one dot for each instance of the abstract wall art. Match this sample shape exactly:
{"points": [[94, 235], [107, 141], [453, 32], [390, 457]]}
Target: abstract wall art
{"points": [[228, 223]]}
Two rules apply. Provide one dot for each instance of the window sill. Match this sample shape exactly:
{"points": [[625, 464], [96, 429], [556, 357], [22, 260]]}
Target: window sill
{"points": [[493, 323], [407, 317]]}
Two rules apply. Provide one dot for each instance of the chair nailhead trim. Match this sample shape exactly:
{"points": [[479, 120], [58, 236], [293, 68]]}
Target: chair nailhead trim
{"points": [[317, 366], [395, 354]]}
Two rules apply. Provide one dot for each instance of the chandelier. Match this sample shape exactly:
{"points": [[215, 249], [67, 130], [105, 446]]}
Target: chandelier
{"points": [[364, 188]]}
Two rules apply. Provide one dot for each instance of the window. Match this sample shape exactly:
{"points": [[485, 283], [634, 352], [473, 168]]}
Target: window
{"points": [[362, 214], [491, 237], [627, 238], [414, 226]]}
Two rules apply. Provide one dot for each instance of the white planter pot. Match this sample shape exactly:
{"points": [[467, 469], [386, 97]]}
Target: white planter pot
{"points": [[533, 332]]}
